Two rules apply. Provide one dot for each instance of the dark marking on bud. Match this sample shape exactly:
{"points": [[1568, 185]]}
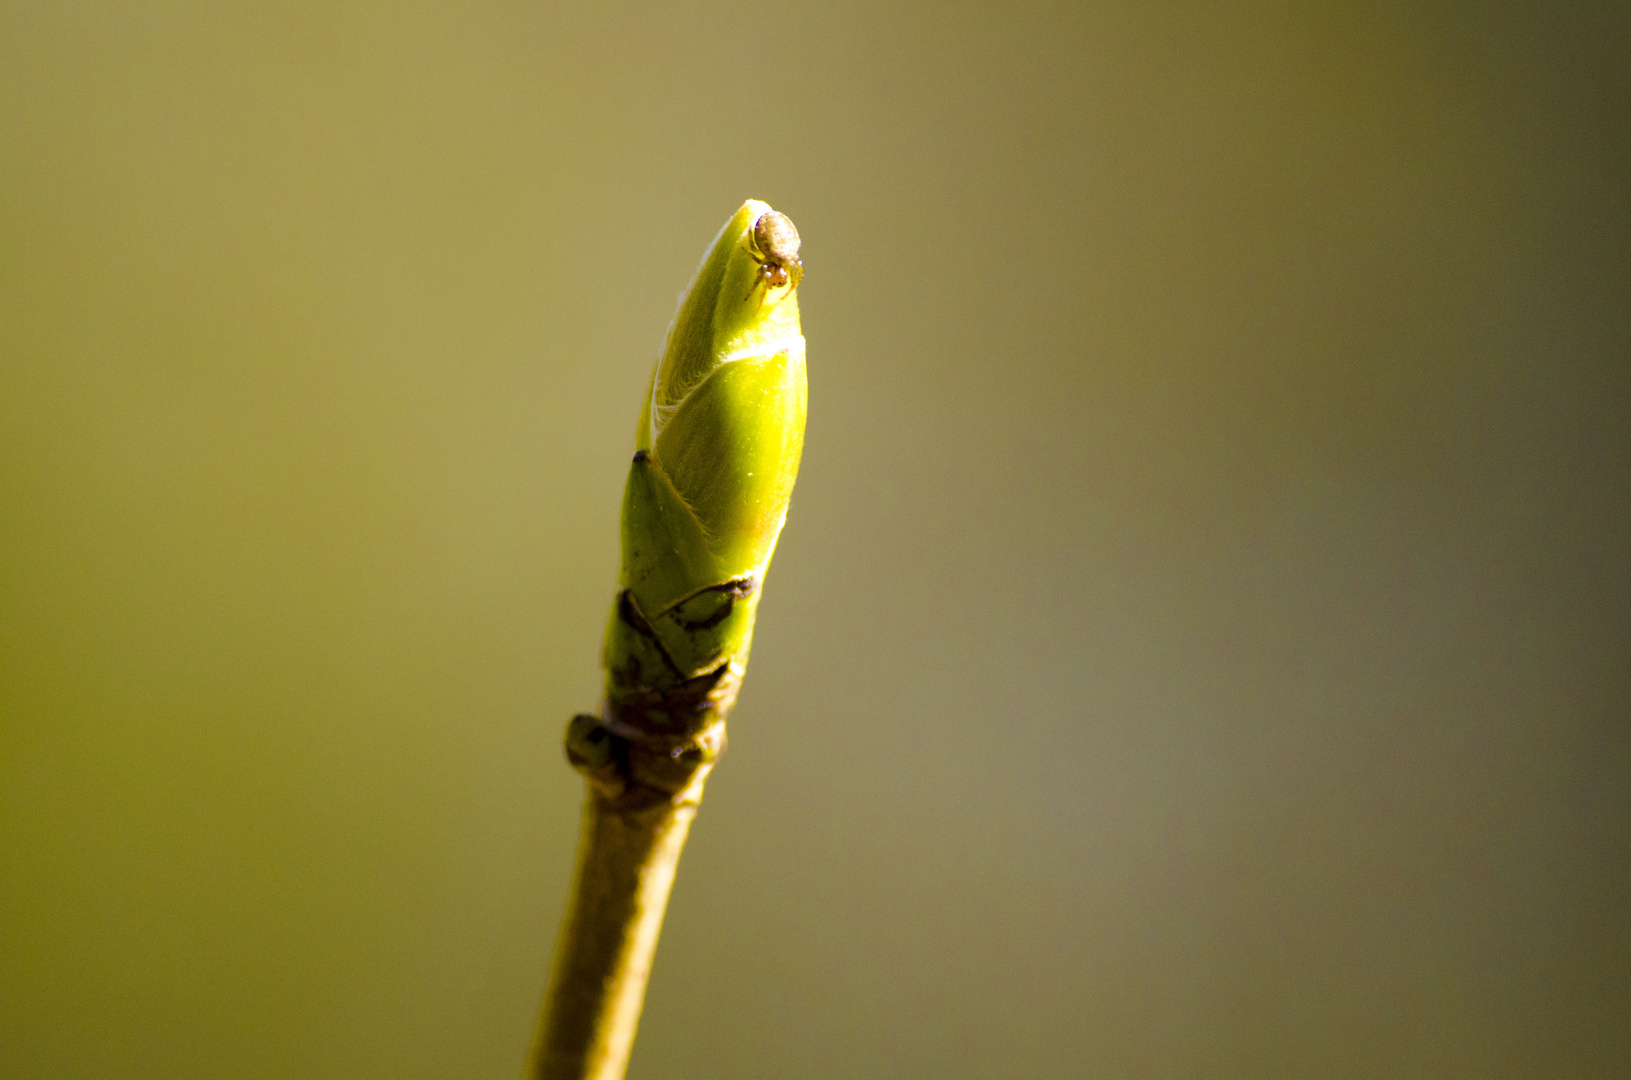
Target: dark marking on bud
{"points": [[628, 611], [721, 612], [693, 616], [642, 456], [646, 714], [736, 587]]}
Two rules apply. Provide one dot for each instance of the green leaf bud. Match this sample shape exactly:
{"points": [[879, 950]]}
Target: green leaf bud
{"points": [[717, 451]]}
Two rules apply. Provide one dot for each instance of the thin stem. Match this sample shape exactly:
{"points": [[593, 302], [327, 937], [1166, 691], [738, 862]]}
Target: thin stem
{"points": [[626, 864], [639, 809]]}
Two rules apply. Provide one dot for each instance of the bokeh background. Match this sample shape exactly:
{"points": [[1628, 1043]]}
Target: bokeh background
{"points": [[1200, 645]]}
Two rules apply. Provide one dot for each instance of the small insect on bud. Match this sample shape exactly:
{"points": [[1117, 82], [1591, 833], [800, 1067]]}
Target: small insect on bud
{"points": [[776, 248]]}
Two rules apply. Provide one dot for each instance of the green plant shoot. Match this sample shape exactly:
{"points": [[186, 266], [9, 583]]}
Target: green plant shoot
{"points": [[716, 452], [720, 433]]}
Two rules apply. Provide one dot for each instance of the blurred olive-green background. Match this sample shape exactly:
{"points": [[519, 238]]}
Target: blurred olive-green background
{"points": [[1200, 645]]}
